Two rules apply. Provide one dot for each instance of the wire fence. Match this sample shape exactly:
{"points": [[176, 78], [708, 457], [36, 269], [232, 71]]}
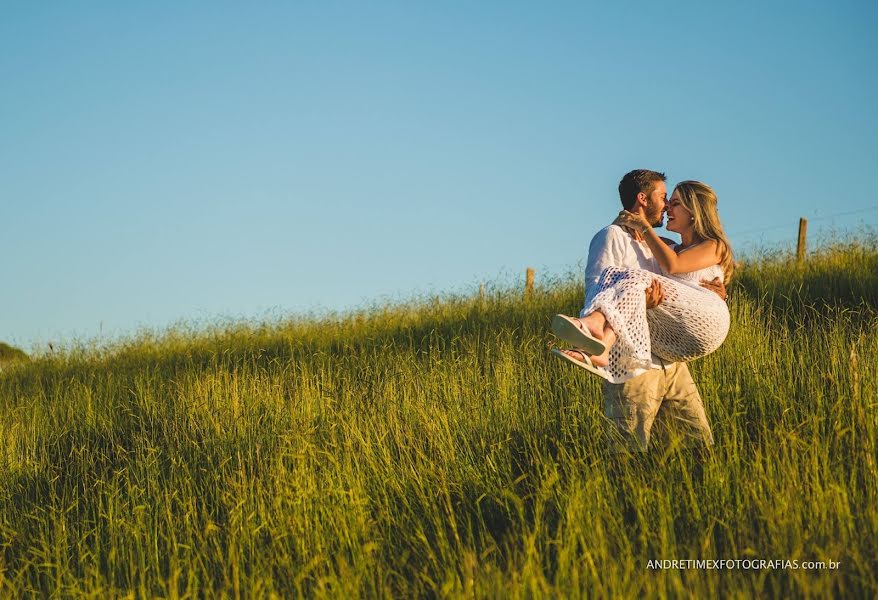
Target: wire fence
{"points": [[750, 237]]}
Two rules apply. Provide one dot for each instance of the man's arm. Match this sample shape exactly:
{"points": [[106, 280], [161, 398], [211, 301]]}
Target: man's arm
{"points": [[607, 249]]}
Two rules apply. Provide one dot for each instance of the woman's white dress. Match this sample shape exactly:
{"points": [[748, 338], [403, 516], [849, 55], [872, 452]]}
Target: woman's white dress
{"points": [[690, 322]]}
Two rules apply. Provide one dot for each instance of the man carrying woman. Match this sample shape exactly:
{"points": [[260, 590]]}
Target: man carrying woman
{"points": [[651, 306]]}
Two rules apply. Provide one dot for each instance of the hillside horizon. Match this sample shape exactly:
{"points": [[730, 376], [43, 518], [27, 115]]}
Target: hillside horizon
{"points": [[502, 285]]}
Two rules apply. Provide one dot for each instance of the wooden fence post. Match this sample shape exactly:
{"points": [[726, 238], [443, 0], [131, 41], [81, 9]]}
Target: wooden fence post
{"points": [[800, 247], [529, 283]]}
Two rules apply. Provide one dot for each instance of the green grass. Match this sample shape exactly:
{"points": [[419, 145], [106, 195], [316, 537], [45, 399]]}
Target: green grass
{"points": [[10, 355], [438, 449]]}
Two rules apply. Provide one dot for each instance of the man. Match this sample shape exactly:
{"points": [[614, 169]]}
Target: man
{"points": [[664, 393]]}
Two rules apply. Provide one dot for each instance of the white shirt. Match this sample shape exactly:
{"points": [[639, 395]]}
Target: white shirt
{"points": [[612, 246]]}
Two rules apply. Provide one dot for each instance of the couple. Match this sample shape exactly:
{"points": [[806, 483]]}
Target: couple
{"points": [[652, 305]]}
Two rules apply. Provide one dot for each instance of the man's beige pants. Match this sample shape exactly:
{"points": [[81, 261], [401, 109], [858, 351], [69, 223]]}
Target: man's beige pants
{"points": [[665, 397]]}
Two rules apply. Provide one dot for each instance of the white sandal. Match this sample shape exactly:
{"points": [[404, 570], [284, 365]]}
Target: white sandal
{"points": [[573, 332], [585, 363]]}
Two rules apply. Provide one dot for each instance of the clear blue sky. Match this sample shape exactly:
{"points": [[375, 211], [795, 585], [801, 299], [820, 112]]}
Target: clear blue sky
{"points": [[162, 161]]}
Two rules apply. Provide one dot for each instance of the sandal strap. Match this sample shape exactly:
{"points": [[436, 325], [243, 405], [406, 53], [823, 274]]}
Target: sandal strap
{"points": [[583, 357]]}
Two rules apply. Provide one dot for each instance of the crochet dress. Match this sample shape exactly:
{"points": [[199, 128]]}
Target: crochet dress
{"points": [[690, 322]]}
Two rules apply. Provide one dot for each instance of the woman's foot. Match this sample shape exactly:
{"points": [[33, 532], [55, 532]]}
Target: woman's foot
{"points": [[595, 323], [608, 336], [580, 359], [600, 360], [583, 333], [576, 355]]}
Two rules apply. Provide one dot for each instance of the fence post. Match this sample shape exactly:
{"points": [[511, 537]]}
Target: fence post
{"points": [[482, 294], [800, 247], [529, 283]]}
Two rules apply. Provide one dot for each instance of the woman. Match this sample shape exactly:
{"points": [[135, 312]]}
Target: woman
{"points": [[617, 334]]}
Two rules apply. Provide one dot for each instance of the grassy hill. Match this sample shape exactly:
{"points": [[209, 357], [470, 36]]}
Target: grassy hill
{"points": [[438, 449], [10, 355]]}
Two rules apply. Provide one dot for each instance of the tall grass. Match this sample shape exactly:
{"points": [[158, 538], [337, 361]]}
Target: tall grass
{"points": [[438, 449]]}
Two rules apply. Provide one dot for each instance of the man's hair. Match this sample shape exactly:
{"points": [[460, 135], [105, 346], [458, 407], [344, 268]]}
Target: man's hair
{"points": [[636, 181]]}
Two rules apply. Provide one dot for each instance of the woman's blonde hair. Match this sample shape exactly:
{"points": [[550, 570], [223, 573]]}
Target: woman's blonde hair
{"points": [[700, 200]]}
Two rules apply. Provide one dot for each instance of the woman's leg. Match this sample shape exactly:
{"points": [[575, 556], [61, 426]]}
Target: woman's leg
{"points": [[621, 301], [608, 336], [595, 323], [685, 325], [598, 326]]}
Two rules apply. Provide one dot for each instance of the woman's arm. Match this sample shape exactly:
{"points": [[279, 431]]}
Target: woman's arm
{"points": [[699, 256]]}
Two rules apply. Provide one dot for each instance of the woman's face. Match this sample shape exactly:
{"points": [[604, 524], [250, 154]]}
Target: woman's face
{"points": [[679, 219]]}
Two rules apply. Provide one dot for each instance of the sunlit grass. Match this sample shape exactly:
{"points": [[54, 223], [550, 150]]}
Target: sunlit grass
{"points": [[438, 449]]}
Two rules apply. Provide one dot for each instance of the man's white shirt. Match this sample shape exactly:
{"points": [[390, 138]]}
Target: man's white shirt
{"points": [[612, 246]]}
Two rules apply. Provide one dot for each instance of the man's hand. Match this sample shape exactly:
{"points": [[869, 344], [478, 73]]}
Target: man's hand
{"points": [[655, 294], [716, 286]]}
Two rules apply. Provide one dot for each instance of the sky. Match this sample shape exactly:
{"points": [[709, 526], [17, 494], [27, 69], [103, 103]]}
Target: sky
{"points": [[200, 162]]}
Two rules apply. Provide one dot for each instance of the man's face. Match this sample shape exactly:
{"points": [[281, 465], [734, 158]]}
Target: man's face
{"points": [[656, 202]]}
